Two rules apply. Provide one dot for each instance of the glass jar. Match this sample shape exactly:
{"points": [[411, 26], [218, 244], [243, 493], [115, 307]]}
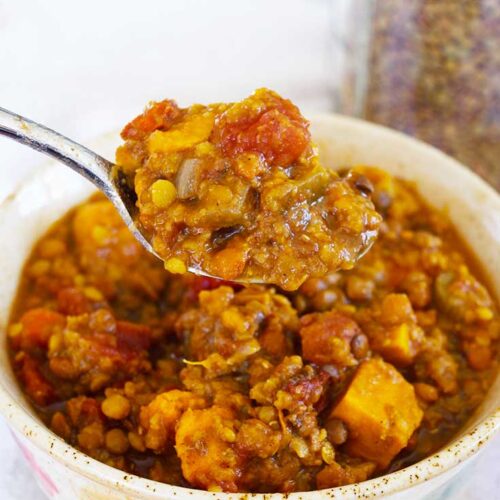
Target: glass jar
{"points": [[430, 68]]}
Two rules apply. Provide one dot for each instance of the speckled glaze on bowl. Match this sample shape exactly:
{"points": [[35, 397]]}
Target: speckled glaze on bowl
{"points": [[65, 473]]}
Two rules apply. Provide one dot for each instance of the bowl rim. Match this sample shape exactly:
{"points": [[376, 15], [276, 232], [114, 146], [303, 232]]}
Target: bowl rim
{"points": [[436, 464]]}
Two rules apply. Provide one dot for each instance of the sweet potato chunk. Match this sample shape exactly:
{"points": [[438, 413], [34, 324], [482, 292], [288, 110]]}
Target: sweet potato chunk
{"points": [[396, 345], [159, 418], [394, 332], [110, 255], [401, 341], [380, 410], [194, 129], [205, 445], [396, 309]]}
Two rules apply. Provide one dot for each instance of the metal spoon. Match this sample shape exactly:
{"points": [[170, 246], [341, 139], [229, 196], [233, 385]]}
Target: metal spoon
{"points": [[101, 172]]}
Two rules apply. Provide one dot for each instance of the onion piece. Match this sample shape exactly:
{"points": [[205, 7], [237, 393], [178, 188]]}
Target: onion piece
{"points": [[187, 179]]}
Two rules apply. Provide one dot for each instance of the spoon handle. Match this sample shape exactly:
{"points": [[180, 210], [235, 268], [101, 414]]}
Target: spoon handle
{"points": [[93, 167], [82, 160]]}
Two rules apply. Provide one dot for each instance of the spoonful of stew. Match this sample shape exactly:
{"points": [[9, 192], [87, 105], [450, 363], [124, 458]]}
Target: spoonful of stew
{"points": [[234, 191]]}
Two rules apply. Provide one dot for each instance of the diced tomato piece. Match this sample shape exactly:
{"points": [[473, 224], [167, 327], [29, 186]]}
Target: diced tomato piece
{"points": [[37, 387], [38, 325], [200, 283], [91, 410], [205, 283], [263, 123], [72, 301], [326, 338], [159, 115], [308, 390], [132, 336]]}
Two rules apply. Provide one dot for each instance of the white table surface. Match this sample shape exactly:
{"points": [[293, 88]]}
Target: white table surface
{"points": [[84, 68]]}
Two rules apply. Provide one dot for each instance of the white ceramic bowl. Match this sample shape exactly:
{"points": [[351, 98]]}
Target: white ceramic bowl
{"points": [[64, 472]]}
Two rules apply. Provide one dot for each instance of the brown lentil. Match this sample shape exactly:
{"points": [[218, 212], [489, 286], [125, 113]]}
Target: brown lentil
{"points": [[337, 431], [426, 392], [360, 346], [60, 425]]}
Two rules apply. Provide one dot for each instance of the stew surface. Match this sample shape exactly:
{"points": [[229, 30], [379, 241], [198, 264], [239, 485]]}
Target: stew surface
{"points": [[237, 190], [200, 383]]}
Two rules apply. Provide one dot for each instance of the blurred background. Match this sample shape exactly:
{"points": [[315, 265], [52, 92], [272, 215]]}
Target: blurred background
{"points": [[86, 68]]}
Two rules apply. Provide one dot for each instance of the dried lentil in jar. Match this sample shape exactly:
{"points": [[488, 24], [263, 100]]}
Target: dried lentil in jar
{"points": [[432, 70]]}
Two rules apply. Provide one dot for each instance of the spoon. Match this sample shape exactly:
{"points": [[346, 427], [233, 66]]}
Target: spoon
{"points": [[101, 172], [104, 174]]}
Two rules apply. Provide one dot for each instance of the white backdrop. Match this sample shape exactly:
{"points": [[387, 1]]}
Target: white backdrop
{"points": [[85, 68]]}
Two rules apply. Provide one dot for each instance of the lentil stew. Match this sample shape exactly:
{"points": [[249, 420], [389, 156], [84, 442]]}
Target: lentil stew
{"points": [[237, 191], [207, 384]]}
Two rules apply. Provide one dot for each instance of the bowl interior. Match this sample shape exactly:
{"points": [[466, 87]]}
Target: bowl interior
{"points": [[470, 203]]}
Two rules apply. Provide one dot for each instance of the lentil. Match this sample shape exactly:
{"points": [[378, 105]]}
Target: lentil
{"points": [[116, 441], [116, 406], [337, 431], [163, 193]]}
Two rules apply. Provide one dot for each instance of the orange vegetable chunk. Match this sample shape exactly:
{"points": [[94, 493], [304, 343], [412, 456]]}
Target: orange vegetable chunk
{"points": [[205, 445], [380, 410]]}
